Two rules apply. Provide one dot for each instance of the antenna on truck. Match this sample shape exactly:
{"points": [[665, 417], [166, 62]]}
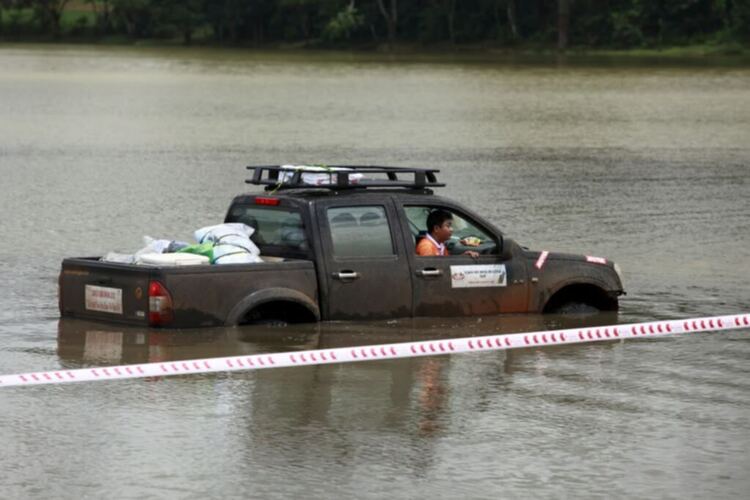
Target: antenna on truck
{"points": [[341, 177]]}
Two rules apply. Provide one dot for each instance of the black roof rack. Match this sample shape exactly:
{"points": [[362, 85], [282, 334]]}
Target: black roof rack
{"points": [[341, 177]]}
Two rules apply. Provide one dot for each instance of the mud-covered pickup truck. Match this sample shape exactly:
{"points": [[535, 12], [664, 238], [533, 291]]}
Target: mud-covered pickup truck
{"points": [[340, 245]]}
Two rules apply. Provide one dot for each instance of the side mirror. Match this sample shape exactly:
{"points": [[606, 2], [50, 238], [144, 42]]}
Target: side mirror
{"points": [[506, 248]]}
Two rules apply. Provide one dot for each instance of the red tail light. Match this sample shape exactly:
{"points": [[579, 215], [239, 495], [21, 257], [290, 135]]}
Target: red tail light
{"points": [[160, 312], [263, 200]]}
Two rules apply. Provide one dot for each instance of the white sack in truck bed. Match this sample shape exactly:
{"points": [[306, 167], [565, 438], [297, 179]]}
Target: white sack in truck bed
{"points": [[232, 244], [227, 244]]}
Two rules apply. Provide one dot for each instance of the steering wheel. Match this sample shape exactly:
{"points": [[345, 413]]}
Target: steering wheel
{"points": [[485, 247]]}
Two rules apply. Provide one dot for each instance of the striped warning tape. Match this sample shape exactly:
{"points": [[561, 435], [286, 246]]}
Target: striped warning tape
{"points": [[384, 351]]}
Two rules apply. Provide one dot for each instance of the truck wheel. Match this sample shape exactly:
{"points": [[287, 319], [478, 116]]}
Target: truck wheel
{"points": [[273, 323], [576, 308]]}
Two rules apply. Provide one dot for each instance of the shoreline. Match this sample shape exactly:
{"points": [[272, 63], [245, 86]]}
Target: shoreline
{"points": [[731, 53]]}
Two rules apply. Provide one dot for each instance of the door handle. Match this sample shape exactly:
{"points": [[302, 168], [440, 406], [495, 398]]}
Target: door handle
{"points": [[346, 275], [427, 273]]}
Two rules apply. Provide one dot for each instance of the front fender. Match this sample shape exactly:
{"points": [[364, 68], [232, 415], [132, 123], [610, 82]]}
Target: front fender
{"points": [[606, 285], [558, 273]]}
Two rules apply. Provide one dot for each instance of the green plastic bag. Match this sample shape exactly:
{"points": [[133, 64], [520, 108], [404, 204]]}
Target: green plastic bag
{"points": [[205, 249]]}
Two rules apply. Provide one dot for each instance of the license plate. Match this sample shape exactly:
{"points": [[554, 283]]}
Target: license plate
{"points": [[104, 299]]}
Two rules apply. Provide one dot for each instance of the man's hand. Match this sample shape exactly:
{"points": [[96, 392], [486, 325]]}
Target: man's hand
{"points": [[472, 254]]}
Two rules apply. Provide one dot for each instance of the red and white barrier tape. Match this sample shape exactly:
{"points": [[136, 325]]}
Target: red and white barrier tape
{"points": [[384, 351]]}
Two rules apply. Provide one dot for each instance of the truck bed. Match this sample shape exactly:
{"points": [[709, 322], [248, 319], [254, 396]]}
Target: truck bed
{"points": [[204, 295]]}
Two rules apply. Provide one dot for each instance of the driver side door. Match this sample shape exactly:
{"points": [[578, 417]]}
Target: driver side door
{"points": [[457, 284]]}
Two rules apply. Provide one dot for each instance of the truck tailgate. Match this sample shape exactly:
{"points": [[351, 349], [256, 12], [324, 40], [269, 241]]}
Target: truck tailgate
{"points": [[104, 291]]}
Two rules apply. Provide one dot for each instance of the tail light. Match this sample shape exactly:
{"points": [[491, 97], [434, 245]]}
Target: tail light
{"points": [[265, 200], [160, 311]]}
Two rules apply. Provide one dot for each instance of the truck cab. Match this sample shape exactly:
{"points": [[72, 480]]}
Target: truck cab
{"points": [[362, 238]]}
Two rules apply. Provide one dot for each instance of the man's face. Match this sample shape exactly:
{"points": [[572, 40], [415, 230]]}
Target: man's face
{"points": [[443, 232]]}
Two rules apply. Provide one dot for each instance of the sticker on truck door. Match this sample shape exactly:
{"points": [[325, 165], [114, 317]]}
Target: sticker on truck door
{"points": [[104, 299], [478, 276]]}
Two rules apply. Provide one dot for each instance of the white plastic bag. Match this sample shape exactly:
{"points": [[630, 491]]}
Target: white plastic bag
{"points": [[317, 176], [152, 245], [121, 258], [233, 233]]}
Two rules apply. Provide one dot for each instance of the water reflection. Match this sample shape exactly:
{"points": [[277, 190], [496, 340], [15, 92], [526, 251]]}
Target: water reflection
{"points": [[410, 418], [85, 343], [412, 395]]}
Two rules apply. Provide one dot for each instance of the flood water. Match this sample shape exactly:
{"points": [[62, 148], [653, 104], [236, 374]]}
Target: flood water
{"points": [[644, 163]]}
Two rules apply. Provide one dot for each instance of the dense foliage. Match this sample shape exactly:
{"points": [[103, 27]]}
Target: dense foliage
{"points": [[592, 23]]}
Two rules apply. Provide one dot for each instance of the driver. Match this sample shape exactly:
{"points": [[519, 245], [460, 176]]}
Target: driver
{"points": [[439, 230]]}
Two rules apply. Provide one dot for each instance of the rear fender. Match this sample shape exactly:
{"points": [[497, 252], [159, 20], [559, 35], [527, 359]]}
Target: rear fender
{"points": [[267, 295]]}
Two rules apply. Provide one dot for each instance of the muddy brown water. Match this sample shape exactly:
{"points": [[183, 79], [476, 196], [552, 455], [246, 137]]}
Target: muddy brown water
{"points": [[646, 164]]}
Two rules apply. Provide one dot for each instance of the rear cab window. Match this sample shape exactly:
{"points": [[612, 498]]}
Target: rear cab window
{"points": [[279, 231]]}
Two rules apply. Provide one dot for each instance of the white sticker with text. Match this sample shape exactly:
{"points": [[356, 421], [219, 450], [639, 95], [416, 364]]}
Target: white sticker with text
{"points": [[478, 276]]}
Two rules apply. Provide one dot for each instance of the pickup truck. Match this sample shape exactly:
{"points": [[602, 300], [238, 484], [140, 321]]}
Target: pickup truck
{"points": [[342, 249]]}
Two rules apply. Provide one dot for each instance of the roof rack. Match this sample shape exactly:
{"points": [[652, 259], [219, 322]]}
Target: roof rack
{"points": [[341, 177]]}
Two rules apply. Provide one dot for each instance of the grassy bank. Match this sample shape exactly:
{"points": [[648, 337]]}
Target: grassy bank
{"points": [[693, 51]]}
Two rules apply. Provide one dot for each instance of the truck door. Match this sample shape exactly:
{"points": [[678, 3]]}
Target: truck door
{"points": [[457, 284], [367, 268]]}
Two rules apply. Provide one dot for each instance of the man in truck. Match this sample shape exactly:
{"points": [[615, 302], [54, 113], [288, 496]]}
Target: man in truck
{"points": [[439, 230]]}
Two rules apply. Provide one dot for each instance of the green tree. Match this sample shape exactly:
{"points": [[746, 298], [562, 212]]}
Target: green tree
{"points": [[448, 10], [227, 17], [510, 9], [181, 17], [344, 23], [563, 23], [389, 10], [299, 17], [49, 13], [102, 12], [133, 17], [740, 19]]}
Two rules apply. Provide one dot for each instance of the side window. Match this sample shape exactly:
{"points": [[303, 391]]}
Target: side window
{"points": [[467, 235], [360, 231]]}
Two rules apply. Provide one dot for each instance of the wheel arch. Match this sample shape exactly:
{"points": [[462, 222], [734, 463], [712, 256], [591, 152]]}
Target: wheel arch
{"points": [[295, 306], [585, 292]]}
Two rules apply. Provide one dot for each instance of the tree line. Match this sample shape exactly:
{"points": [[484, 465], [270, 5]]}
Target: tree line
{"points": [[564, 23]]}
